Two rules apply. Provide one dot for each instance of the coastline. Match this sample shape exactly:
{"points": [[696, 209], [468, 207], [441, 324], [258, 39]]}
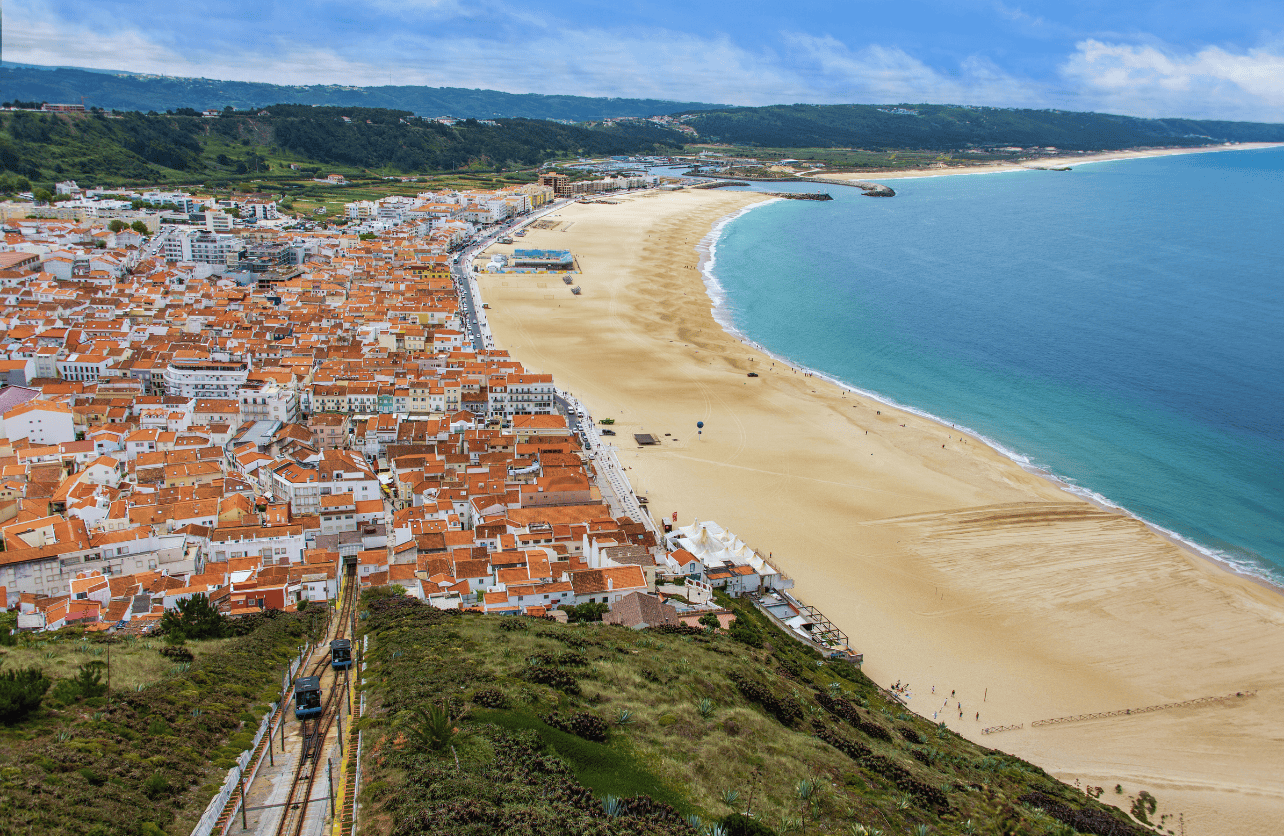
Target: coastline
{"points": [[1042, 163], [722, 315], [954, 567]]}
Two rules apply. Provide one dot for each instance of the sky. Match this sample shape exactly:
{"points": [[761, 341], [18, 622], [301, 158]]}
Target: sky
{"points": [[1196, 59]]}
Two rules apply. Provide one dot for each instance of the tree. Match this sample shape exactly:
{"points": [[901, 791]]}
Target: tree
{"points": [[20, 693], [89, 679], [195, 618], [139, 227], [710, 620], [117, 225], [42, 195]]}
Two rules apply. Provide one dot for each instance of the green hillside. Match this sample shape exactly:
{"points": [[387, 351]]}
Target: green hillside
{"points": [[142, 148], [482, 724], [129, 91], [946, 127]]}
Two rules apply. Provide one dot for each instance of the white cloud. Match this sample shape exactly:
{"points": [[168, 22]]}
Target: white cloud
{"points": [[1148, 80], [889, 74]]}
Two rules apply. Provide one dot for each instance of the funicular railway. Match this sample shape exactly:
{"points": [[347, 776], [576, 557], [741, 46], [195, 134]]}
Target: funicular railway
{"points": [[319, 695]]}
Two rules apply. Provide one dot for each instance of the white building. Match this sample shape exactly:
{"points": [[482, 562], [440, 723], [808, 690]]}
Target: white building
{"points": [[205, 378], [269, 402], [40, 422]]}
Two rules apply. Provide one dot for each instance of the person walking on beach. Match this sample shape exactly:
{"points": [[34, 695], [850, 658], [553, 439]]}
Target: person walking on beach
{"points": [[978, 716]]}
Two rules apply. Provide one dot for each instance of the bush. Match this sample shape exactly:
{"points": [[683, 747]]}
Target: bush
{"points": [[156, 786], [744, 631], [784, 709], [491, 698], [581, 724], [21, 692], [556, 677], [737, 824], [177, 652]]}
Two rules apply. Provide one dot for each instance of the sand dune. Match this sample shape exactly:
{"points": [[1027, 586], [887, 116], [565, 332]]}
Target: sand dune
{"points": [[948, 566]]}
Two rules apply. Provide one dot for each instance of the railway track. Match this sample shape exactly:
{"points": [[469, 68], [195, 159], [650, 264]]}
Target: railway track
{"points": [[314, 732]]}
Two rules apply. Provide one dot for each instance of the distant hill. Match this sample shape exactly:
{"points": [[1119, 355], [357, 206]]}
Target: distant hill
{"points": [[947, 127], [134, 147], [130, 91]]}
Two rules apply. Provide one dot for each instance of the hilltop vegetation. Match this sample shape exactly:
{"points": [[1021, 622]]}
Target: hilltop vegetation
{"points": [[481, 724], [945, 127], [144, 757], [126, 91], [140, 147]]}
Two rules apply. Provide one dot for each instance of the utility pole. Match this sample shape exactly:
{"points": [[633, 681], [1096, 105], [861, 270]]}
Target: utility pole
{"points": [[240, 783], [329, 780]]}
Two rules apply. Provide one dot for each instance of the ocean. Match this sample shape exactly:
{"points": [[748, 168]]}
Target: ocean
{"points": [[1119, 326]]}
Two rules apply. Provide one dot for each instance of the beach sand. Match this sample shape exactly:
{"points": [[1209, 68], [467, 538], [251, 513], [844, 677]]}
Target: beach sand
{"points": [[1067, 159], [948, 566]]}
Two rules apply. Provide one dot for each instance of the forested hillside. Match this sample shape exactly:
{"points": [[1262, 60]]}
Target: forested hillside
{"points": [[125, 91], [134, 147], [947, 127]]}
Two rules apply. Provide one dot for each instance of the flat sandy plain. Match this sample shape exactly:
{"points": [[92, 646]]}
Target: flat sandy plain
{"points": [[947, 564], [1056, 161]]}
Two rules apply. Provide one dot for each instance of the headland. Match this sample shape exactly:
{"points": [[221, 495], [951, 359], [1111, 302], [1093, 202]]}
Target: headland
{"points": [[947, 564]]}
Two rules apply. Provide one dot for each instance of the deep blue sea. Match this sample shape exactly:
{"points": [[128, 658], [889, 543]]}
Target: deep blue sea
{"points": [[1120, 325]]}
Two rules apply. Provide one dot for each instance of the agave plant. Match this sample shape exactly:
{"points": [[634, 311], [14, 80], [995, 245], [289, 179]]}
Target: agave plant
{"points": [[835, 688], [969, 826], [729, 797], [696, 823], [904, 802], [705, 707], [921, 830], [624, 717], [715, 829], [613, 806]]}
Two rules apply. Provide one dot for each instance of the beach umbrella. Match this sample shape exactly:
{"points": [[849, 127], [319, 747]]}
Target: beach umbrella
{"points": [[699, 428]]}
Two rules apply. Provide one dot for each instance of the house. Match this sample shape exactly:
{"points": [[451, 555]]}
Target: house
{"points": [[639, 610]]}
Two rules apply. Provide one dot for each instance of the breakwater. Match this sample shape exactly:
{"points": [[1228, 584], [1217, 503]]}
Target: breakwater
{"points": [[802, 195]]}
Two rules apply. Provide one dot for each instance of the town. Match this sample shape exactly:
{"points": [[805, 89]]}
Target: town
{"points": [[207, 399]]}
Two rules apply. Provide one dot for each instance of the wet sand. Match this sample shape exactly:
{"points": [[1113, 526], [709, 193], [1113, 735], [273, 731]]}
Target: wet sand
{"points": [[948, 566]]}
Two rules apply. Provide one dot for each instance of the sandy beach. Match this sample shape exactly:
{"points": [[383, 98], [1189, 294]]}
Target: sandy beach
{"points": [[1056, 161], [945, 562]]}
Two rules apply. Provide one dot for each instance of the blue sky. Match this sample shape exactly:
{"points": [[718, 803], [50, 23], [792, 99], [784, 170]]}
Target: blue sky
{"points": [[1200, 59]]}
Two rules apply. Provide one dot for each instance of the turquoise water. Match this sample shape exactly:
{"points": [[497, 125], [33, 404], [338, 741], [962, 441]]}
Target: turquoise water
{"points": [[1120, 326]]}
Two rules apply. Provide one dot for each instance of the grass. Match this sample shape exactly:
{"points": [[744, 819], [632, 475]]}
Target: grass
{"points": [[604, 768], [731, 756], [134, 661]]}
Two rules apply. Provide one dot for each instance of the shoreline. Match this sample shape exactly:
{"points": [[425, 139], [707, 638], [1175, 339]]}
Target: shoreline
{"points": [[1040, 164], [722, 315], [955, 567]]}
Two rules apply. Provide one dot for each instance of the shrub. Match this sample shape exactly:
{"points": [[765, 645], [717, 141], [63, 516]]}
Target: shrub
{"points": [[178, 653], [21, 692], [744, 631], [491, 698], [581, 724], [555, 677], [784, 709], [156, 786], [737, 824], [676, 630], [1084, 820], [710, 620]]}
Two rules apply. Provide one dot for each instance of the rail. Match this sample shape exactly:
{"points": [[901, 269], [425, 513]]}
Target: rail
{"points": [[299, 797], [997, 729]]}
